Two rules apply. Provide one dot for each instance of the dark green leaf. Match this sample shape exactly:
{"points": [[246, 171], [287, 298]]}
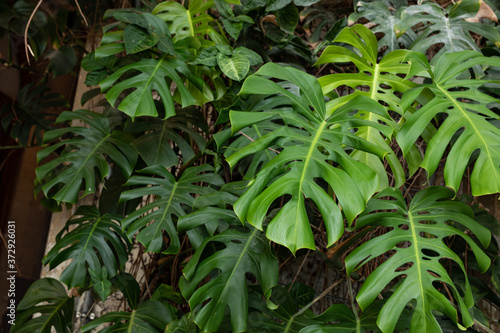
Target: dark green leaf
{"points": [[150, 317], [76, 167], [48, 298], [244, 252], [62, 60], [95, 243], [288, 18], [128, 285], [172, 198]]}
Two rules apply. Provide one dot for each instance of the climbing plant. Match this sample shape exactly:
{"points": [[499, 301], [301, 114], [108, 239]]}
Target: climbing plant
{"points": [[236, 138]]}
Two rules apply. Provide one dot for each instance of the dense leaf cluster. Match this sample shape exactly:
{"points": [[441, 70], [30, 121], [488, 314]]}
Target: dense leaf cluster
{"points": [[236, 131]]}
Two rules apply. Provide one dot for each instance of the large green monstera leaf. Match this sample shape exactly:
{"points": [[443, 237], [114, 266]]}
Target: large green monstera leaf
{"points": [[193, 21], [83, 153], [245, 252], [312, 142], [417, 246], [467, 125], [172, 198], [93, 243], [148, 76], [381, 81]]}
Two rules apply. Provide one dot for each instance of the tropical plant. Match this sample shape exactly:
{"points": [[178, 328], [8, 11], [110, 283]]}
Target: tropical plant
{"points": [[236, 159]]}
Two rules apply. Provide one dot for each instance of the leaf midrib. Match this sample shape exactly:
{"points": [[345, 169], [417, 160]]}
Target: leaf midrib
{"points": [[240, 258], [92, 152], [415, 245], [307, 159]]}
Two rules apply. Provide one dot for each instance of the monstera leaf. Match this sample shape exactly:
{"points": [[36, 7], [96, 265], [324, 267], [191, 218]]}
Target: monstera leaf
{"points": [[95, 242], [380, 81], [172, 197], [416, 241], [250, 165], [28, 119], [245, 252], [151, 316], [48, 298], [312, 139], [449, 26], [148, 76], [191, 22], [155, 143], [84, 152], [467, 126]]}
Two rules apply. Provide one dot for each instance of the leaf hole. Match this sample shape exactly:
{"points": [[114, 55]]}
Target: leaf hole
{"points": [[426, 235], [430, 253], [404, 267], [403, 244], [427, 222], [367, 73], [363, 87], [385, 86], [235, 241]]}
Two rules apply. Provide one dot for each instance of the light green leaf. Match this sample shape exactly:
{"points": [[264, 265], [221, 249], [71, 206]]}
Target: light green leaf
{"points": [[94, 243], [100, 283], [312, 140], [85, 151], [416, 240], [191, 22], [235, 66], [48, 298], [376, 80], [468, 119]]}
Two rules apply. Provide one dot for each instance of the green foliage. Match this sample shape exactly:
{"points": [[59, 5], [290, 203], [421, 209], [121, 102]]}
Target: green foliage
{"points": [[47, 297], [86, 150], [313, 136], [468, 124], [244, 252], [238, 145], [450, 27], [172, 198], [422, 226], [30, 117], [377, 80], [95, 243], [150, 316]]}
